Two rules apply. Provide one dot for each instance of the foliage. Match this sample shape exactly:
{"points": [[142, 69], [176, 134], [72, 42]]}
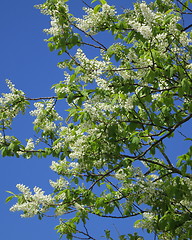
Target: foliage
{"points": [[124, 104]]}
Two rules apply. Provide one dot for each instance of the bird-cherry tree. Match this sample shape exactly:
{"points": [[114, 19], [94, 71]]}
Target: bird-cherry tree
{"points": [[128, 86]]}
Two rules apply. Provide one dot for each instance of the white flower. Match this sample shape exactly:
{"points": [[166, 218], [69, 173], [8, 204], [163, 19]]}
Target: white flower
{"points": [[12, 88], [189, 66], [46, 116], [172, 26], [33, 203], [147, 13], [30, 144], [24, 190], [93, 21], [74, 165], [54, 166], [61, 183], [30, 209], [8, 103], [147, 222], [79, 207], [184, 40], [145, 30], [120, 175]]}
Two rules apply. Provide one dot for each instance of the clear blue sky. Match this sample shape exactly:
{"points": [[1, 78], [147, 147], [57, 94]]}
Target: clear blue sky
{"points": [[26, 60]]}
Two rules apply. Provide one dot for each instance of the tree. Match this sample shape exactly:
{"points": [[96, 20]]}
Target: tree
{"points": [[124, 106]]}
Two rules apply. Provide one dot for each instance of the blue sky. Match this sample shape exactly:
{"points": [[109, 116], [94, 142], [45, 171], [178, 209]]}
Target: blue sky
{"points": [[26, 60]]}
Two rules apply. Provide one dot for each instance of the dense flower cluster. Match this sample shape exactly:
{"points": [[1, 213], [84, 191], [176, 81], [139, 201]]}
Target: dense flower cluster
{"points": [[11, 104], [60, 184], [145, 30], [147, 13], [32, 204], [46, 116], [94, 22], [63, 167], [92, 67], [30, 144], [56, 28]]}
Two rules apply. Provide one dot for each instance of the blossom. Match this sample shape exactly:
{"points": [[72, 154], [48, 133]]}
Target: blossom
{"points": [[147, 222], [172, 26], [46, 116], [24, 190], [92, 22], [147, 13], [120, 174], [93, 67], [30, 144], [145, 30], [79, 207], [9, 106], [55, 165], [184, 40], [32, 204], [56, 27], [61, 183]]}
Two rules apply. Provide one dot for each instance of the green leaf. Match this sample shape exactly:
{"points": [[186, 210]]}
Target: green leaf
{"points": [[184, 169], [51, 46], [70, 97], [102, 2], [97, 8], [9, 198], [136, 140], [108, 234], [74, 39], [152, 151]]}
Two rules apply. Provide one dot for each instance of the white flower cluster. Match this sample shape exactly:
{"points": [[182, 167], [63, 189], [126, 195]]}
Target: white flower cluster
{"points": [[145, 30], [55, 165], [187, 201], [130, 171], [46, 116], [56, 27], [92, 67], [120, 175], [64, 167], [160, 41], [64, 85], [60, 184], [94, 71], [9, 103], [32, 204], [78, 147], [6, 138], [132, 56], [76, 140], [172, 26], [93, 22], [147, 222], [79, 207], [30, 145], [184, 39], [99, 108], [148, 15]]}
